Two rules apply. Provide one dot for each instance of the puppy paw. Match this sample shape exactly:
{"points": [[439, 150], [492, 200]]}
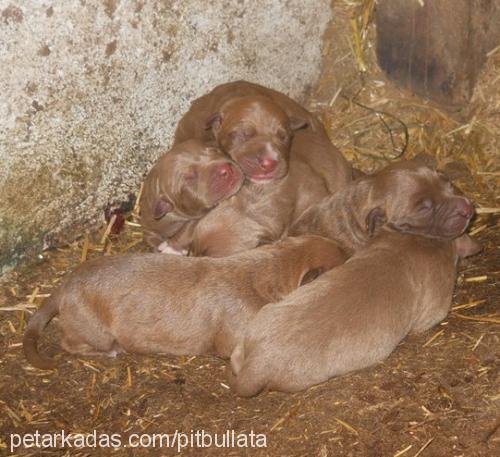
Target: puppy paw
{"points": [[164, 248]]}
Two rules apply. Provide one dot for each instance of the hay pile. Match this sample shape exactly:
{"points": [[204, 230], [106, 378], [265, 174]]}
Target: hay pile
{"points": [[369, 118]]}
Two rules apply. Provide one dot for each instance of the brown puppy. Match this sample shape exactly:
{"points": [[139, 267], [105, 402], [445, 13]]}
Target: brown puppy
{"points": [[406, 196], [182, 187], [352, 316], [262, 214], [150, 303], [252, 124]]}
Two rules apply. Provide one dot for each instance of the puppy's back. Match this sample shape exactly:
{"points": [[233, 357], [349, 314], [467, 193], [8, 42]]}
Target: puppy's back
{"points": [[349, 318]]}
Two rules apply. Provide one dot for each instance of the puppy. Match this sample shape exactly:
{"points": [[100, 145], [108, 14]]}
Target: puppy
{"points": [[150, 303], [252, 124], [262, 214], [352, 316], [247, 119], [181, 188], [406, 196]]}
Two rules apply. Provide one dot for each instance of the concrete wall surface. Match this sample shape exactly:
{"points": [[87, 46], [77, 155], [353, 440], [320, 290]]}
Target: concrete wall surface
{"points": [[90, 92]]}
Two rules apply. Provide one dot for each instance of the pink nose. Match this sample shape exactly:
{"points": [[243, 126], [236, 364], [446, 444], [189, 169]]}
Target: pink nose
{"points": [[464, 208], [267, 164], [225, 171]]}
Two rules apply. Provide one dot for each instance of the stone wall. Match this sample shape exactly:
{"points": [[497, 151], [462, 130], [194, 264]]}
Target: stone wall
{"points": [[91, 92]]}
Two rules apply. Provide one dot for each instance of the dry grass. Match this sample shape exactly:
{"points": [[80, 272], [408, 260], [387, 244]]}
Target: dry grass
{"points": [[368, 117]]}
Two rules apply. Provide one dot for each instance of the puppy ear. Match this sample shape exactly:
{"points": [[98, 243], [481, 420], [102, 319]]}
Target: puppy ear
{"points": [[297, 123], [456, 169], [425, 159], [214, 122], [375, 219], [466, 246], [310, 275], [443, 175], [161, 207]]}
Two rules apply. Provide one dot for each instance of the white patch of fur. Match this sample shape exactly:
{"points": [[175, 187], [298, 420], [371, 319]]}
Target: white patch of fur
{"points": [[164, 248]]}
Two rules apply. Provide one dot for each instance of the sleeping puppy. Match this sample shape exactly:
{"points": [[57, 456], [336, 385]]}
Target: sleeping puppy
{"points": [[406, 196], [352, 316], [259, 214], [185, 183], [252, 124], [150, 303], [355, 315], [275, 141]]}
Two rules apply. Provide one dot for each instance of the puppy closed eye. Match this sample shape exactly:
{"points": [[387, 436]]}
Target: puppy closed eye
{"points": [[242, 134], [425, 206]]}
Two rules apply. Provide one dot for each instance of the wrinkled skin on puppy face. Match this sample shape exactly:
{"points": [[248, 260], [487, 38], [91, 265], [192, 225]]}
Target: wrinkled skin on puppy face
{"points": [[406, 196], [182, 187], [426, 203], [256, 133], [196, 177]]}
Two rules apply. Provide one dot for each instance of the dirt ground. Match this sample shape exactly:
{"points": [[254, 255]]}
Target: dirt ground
{"points": [[437, 395], [438, 392]]}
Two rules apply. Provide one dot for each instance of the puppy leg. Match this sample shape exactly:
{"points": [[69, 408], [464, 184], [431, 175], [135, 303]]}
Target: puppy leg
{"points": [[226, 238], [248, 382], [244, 377]]}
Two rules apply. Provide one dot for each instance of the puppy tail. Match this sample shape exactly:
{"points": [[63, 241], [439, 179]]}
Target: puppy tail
{"points": [[33, 331]]}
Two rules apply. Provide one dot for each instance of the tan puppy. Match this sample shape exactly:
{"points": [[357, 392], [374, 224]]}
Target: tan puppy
{"points": [[262, 214], [150, 303], [182, 187], [352, 316], [249, 120], [406, 196], [252, 124]]}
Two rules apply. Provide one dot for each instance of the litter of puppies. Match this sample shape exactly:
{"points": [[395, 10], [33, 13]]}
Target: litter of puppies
{"points": [[287, 311]]}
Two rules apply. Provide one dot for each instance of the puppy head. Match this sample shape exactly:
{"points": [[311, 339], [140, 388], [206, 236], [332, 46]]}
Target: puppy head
{"points": [[411, 197], [192, 178], [256, 133]]}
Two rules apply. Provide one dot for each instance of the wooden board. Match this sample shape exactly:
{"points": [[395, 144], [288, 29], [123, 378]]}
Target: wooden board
{"points": [[436, 48]]}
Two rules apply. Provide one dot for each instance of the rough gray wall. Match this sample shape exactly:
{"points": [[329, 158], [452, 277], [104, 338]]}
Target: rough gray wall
{"points": [[90, 91]]}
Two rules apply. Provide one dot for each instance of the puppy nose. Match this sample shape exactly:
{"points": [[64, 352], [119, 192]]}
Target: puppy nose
{"points": [[225, 170], [267, 164], [464, 208]]}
